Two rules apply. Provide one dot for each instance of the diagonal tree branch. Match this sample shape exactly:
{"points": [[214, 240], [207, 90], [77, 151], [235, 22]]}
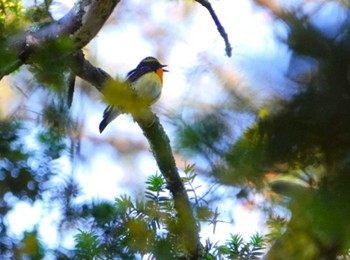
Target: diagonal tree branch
{"points": [[80, 24], [160, 145], [218, 24], [161, 149]]}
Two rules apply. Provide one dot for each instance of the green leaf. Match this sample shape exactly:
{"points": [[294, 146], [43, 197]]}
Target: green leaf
{"points": [[156, 183], [124, 205], [88, 245]]}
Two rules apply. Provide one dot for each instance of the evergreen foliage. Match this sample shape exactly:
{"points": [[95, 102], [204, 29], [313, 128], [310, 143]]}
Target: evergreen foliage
{"points": [[295, 155]]}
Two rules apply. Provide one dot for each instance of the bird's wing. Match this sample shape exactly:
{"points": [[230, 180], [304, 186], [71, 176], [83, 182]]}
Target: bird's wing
{"points": [[112, 112], [109, 115], [134, 74]]}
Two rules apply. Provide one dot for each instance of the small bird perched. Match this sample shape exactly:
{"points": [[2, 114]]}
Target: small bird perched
{"points": [[146, 80]]}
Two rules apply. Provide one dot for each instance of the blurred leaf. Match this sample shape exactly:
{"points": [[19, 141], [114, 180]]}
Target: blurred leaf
{"points": [[31, 246], [38, 14], [156, 183], [119, 93], [87, 245], [204, 213], [140, 235], [10, 9], [57, 115], [247, 159], [237, 248], [124, 204], [53, 142], [206, 136], [55, 78]]}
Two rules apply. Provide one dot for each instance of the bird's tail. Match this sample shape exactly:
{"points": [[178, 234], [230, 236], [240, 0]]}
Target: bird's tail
{"points": [[109, 115]]}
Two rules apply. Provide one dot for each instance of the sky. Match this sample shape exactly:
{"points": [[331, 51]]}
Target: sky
{"points": [[194, 43]]}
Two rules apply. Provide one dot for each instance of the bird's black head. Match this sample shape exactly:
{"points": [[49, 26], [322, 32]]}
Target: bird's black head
{"points": [[152, 63]]}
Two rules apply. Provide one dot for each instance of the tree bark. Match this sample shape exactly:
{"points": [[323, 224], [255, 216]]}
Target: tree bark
{"points": [[81, 24]]}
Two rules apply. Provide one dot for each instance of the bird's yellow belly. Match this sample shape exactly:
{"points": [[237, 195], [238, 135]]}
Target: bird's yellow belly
{"points": [[148, 87]]}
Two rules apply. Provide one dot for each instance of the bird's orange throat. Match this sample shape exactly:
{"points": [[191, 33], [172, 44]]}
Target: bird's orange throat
{"points": [[160, 74]]}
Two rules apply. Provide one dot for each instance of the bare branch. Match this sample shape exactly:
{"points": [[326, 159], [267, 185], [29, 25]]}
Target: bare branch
{"points": [[219, 26], [85, 70]]}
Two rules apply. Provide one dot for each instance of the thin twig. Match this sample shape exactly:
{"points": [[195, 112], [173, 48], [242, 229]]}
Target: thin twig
{"points": [[219, 26]]}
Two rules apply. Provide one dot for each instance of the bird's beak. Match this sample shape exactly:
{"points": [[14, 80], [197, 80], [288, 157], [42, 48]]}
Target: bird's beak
{"points": [[162, 66]]}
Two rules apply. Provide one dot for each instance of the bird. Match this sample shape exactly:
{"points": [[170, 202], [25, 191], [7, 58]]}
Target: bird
{"points": [[147, 82]]}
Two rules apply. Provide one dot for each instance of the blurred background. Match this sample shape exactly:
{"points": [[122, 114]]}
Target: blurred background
{"points": [[55, 164]]}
